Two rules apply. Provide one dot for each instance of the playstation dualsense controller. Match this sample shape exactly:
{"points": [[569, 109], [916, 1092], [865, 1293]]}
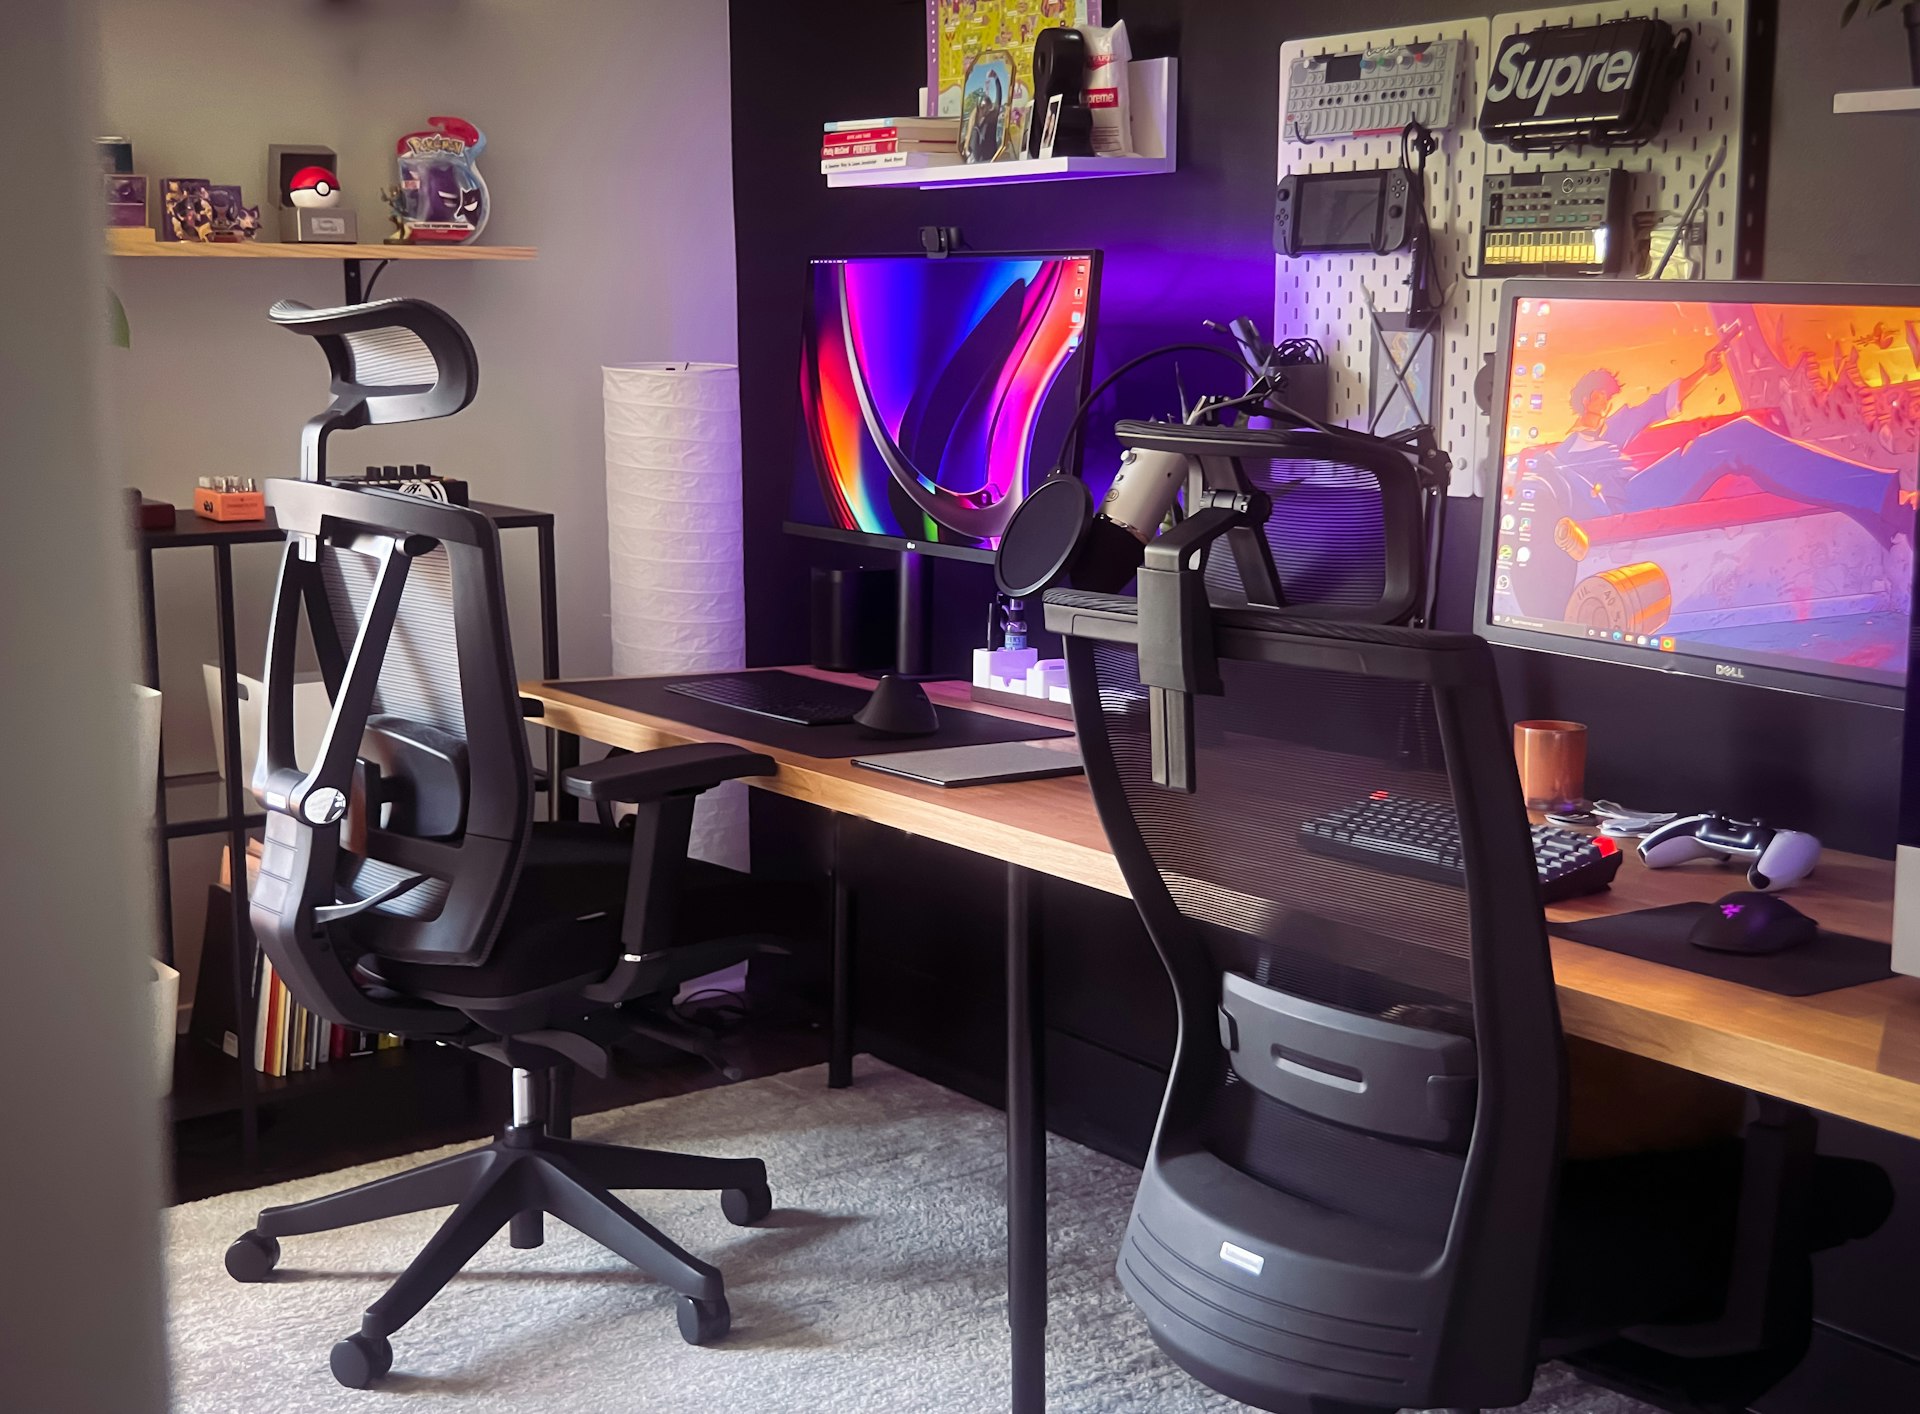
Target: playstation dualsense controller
{"points": [[1774, 858]]}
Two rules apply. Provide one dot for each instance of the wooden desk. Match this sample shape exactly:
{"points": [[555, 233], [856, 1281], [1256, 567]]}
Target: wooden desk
{"points": [[1854, 1053]]}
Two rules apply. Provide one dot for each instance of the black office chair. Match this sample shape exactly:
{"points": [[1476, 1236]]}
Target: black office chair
{"points": [[1355, 1200], [405, 888]]}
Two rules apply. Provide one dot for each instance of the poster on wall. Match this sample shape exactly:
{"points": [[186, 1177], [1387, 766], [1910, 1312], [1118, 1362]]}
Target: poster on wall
{"points": [[962, 31]]}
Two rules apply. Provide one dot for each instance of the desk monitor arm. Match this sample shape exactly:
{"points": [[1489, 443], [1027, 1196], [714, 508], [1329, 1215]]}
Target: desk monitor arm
{"points": [[393, 360], [1176, 623]]}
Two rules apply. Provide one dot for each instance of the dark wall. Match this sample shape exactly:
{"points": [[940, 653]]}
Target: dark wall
{"points": [[1194, 245]]}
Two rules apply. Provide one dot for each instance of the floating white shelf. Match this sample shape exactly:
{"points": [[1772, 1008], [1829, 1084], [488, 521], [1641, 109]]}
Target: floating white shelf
{"points": [[1878, 100], [1153, 100]]}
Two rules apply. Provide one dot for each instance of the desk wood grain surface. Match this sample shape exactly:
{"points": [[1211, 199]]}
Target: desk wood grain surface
{"points": [[1854, 1052]]}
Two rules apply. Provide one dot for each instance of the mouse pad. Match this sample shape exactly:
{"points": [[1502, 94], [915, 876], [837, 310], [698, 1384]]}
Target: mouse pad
{"points": [[1828, 963], [958, 726]]}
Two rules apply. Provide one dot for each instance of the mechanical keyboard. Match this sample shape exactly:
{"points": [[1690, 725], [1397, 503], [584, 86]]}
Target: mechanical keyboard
{"points": [[783, 696], [1421, 839]]}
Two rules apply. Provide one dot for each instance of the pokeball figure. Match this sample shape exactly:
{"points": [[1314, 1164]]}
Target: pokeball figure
{"points": [[314, 188]]}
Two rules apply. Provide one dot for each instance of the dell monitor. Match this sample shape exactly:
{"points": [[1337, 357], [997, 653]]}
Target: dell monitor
{"points": [[935, 391], [1714, 479]]}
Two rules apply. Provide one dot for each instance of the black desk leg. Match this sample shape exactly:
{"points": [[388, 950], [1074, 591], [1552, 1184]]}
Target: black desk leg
{"points": [[1026, 1151], [150, 675], [563, 754], [240, 925], [840, 976], [563, 749]]}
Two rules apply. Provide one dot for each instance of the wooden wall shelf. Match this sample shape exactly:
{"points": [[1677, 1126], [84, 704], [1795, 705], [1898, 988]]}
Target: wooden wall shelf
{"points": [[140, 242], [1154, 103]]}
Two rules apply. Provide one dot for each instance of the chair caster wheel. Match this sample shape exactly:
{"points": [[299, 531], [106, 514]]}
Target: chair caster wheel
{"points": [[746, 1206], [361, 1359], [253, 1256], [701, 1322]]}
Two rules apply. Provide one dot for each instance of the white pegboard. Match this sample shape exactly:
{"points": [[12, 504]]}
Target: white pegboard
{"points": [[1324, 296], [1708, 104]]}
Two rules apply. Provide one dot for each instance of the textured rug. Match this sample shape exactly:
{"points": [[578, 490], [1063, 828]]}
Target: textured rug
{"points": [[878, 1283]]}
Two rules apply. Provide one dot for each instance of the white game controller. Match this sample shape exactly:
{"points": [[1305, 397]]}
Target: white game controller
{"points": [[1774, 858]]}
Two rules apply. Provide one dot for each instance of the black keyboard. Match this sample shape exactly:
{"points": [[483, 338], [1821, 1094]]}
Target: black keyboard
{"points": [[785, 697], [1421, 839]]}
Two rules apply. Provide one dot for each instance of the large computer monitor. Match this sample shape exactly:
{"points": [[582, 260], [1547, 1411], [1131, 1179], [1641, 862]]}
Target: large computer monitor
{"points": [[935, 391], [1715, 479]]}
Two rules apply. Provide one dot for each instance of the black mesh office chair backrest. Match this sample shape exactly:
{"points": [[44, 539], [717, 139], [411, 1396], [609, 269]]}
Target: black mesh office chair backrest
{"points": [[1346, 531], [1353, 1168], [425, 759], [393, 360]]}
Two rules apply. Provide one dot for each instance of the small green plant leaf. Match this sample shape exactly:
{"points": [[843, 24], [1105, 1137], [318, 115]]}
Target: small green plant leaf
{"points": [[118, 332]]}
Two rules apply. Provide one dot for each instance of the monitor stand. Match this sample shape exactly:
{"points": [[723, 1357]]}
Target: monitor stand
{"points": [[912, 633], [912, 624], [899, 705]]}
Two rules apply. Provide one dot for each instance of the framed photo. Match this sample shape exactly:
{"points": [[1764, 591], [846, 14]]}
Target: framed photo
{"points": [[986, 108]]}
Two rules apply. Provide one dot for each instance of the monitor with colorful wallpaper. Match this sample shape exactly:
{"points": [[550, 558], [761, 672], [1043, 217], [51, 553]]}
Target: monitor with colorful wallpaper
{"points": [[1712, 479], [934, 392]]}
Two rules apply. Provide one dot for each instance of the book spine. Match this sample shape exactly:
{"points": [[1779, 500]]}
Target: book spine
{"points": [[276, 1053], [892, 127], [890, 159], [262, 1013], [867, 147]]}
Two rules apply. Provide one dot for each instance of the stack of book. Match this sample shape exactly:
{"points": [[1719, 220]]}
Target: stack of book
{"points": [[289, 1039], [862, 144]]}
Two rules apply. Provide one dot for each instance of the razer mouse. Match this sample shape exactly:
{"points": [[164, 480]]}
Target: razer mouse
{"points": [[1752, 923]]}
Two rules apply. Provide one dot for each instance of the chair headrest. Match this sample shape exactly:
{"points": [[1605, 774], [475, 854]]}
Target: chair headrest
{"points": [[393, 360]]}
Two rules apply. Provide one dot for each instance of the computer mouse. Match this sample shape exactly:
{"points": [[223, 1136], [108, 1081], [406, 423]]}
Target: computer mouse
{"points": [[1752, 923]]}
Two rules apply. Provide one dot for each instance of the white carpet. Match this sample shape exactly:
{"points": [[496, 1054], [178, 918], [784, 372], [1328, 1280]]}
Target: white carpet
{"points": [[877, 1285]]}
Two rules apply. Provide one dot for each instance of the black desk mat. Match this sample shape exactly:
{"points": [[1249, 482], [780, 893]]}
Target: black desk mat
{"points": [[1828, 963], [958, 726]]}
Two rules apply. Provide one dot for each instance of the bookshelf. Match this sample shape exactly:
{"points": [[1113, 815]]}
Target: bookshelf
{"points": [[141, 243]]}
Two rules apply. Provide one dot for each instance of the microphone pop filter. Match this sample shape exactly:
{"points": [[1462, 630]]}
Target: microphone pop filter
{"points": [[1043, 537]]}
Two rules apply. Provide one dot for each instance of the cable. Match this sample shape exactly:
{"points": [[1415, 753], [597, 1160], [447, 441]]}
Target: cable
{"points": [[1080, 412], [373, 279], [1686, 217]]}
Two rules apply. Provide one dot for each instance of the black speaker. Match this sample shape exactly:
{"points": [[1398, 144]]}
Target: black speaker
{"points": [[1059, 66], [853, 618]]}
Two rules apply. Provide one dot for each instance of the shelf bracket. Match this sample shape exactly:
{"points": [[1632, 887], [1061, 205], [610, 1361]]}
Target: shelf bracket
{"points": [[352, 271]]}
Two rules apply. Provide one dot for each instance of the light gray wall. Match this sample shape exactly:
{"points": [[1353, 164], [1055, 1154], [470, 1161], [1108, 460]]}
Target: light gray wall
{"points": [[80, 1323], [608, 140]]}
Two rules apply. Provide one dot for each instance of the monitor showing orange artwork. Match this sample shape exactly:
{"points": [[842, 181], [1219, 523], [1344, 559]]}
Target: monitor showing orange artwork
{"points": [[1714, 479]]}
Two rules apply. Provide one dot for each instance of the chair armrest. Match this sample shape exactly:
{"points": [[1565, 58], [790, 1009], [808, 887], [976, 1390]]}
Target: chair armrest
{"points": [[671, 770]]}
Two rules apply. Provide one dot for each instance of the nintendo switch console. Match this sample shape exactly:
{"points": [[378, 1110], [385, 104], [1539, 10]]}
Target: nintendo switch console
{"points": [[1330, 213]]}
